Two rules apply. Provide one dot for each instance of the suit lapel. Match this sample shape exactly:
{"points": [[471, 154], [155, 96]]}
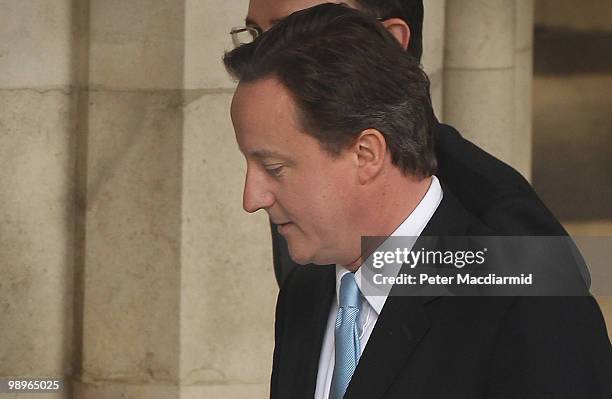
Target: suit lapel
{"points": [[400, 327], [299, 361], [403, 321]]}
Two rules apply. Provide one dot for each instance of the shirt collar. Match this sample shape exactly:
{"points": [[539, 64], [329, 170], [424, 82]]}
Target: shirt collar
{"points": [[412, 226]]}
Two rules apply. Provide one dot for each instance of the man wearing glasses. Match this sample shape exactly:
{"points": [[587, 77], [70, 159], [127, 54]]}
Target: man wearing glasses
{"points": [[331, 162], [488, 188]]}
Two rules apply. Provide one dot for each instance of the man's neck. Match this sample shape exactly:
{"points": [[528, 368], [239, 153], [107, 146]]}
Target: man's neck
{"points": [[396, 204]]}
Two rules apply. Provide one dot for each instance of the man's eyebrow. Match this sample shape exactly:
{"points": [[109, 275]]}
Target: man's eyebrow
{"points": [[261, 154]]}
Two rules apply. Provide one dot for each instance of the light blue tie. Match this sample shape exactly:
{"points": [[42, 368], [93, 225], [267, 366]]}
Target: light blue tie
{"points": [[346, 335]]}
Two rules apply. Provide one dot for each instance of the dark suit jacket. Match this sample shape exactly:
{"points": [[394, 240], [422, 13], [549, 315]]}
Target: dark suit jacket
{"points": [[448, 347], [489, 189]]}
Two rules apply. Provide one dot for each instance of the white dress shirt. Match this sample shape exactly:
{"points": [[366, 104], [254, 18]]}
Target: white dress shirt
{"points": [[412, 226]]}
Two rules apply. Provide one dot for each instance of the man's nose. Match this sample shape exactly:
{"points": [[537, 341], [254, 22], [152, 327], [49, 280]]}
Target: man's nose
{"points": [[256, 194]]}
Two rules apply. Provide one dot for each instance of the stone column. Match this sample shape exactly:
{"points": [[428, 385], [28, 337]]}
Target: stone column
{"points": [[178, 290], [523, 77], [37, 156], [228, 291], [433, 51], [486, 78], [131, 270]]}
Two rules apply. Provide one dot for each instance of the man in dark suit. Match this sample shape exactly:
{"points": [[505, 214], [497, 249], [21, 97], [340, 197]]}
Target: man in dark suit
{"points": [[488, 188], [335, 122]]}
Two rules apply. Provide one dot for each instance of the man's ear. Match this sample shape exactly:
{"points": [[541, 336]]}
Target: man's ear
{"points": [[370, 148], [399, 29]]}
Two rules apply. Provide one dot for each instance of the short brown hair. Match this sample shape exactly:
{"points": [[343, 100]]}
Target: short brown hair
{"points": [[346, 73]]}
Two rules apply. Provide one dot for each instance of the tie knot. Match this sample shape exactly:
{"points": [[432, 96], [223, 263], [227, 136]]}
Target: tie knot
{"points": [[349, 292]]}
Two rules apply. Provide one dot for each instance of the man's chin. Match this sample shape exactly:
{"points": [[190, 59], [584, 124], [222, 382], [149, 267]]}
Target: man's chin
{"points": [[308, 259], [301, 260], [301, 257]]}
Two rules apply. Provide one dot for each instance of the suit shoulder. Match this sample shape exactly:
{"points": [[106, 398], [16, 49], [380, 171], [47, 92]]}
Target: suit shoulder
{"points": [[307, 283], [463, 156]]}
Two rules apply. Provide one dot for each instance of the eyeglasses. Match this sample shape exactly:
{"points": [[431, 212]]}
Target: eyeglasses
{"points": [[244, 34]]}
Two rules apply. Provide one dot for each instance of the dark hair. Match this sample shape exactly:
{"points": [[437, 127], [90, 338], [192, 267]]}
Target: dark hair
{"points": [[410, 11], [346, 73]]}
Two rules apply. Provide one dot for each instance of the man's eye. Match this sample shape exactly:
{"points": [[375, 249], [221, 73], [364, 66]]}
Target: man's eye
{"points": [[274, 171]]}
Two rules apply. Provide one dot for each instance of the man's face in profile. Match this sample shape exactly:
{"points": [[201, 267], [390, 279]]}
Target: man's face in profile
{"points": [[307, 192], [265, 13]]}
